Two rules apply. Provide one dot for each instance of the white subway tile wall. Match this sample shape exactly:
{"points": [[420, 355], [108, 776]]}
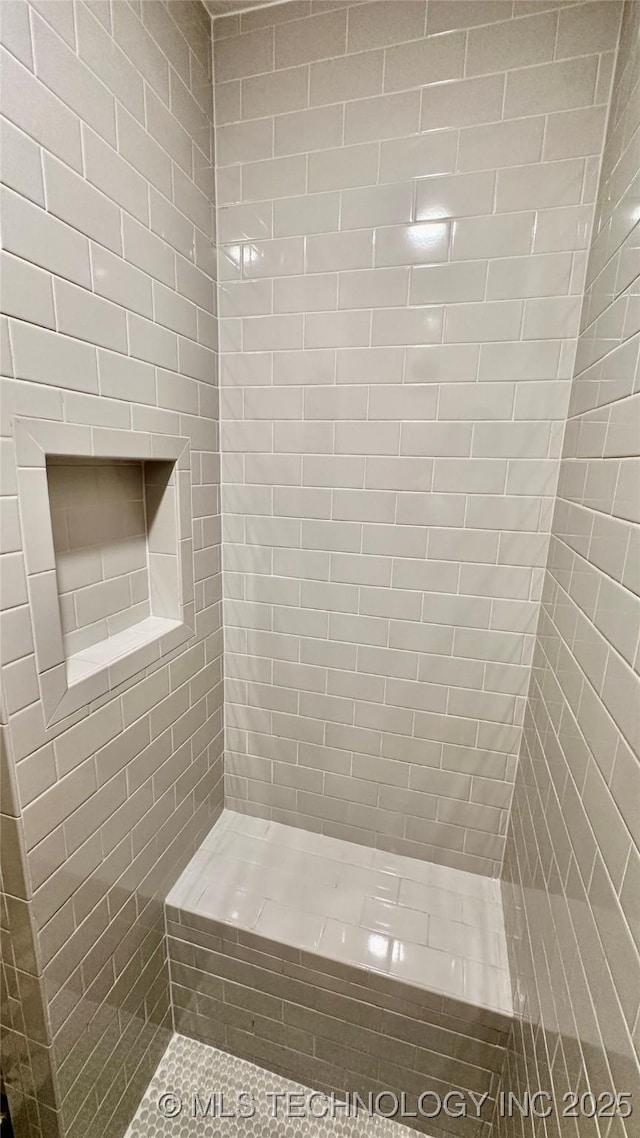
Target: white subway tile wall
{"points": [[571, 875], [404, 196], [100, 537], [108, 283]]}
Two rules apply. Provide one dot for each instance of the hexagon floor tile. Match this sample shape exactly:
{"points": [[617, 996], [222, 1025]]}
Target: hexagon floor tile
{"points": [[169, 1109]]}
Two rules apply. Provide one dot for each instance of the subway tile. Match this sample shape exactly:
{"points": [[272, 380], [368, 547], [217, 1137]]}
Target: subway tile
{"points": [[143, 152], [304, 367], [373, 287], [407, 326], [244, 141], [547, 185], [587, 29], [267, 333], [329, 252], [122, 283], [550, 87], [80, 205], [20, 163], [173, 311], [89, 317], [411, 158], [150, 342], [16, 33], [28, 291], [142, 51], [102, 55], [66, 75], [398, 474], [314, 213], [280, 257], [346, 77], [415, 244], [343, 167], [60, 17], [511, 440], [378, 205], [274, 178], [501, 144], [69, 361], [406, 403], [242, 55], [276, 14], [193, 202], [39, 113], [317, 129], [383, 365], [441, 363], [512, 44], [317, 37], [573, 134], [445, 14], [42, 357], [512, 361], [354, 438], [388, 365], [246, 298], [476, 401], [333, 471], [437, 439], [148, 251], [167, 131], [245, 222], [496, 236], [194, 113], [371, 26], [529, 276], [448, 283], [274, 92], [462, 102], [498, 320], [333, 403], [384, 116], [461, 195], [550, 319], [430, 60], [337, 330]]}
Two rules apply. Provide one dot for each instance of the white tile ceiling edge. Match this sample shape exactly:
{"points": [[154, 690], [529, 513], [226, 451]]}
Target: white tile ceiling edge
{"points": [[217, 8]]}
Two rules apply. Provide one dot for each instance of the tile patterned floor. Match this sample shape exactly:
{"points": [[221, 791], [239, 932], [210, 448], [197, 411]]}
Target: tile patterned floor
{"points": [[430, 925], [168, 1110]]}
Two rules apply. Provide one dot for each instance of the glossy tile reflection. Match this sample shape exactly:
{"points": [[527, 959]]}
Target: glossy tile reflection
{"points": [[426, 924]]}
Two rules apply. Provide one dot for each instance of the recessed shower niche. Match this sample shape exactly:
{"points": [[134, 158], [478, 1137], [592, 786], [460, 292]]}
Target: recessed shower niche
{"points": [[106, 519]]}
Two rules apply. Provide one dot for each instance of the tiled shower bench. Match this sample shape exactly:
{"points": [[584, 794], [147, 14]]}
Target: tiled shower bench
{"points": [[343, 967]]}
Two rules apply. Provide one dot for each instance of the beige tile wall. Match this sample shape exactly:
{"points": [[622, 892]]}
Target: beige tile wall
{"points": [[109, 297], [25, 1057], [405, 193], [340, 493], [571, 877], [100, 537]]}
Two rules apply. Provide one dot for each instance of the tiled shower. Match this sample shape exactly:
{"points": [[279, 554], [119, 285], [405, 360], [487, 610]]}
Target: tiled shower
{"points": [[320, 498]]}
